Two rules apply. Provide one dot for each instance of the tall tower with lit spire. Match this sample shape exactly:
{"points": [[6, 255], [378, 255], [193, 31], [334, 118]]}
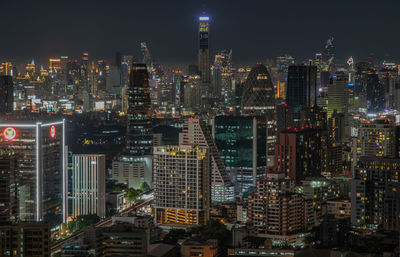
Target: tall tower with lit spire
{"points": [[204, 58]]}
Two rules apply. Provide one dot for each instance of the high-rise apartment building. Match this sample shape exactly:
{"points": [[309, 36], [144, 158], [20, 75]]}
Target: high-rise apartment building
{"points": [[301, 90], [377, 139], [195, 132], [181, 185], [375, 193], [301, 153], [40, 147], [6, 96], [275, 211], [88, 184]]}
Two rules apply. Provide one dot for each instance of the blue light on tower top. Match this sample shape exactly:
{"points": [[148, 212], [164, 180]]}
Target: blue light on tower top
{"points": [[204, 18]]}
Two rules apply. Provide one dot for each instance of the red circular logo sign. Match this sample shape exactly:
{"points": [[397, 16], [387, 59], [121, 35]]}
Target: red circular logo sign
{"points": [[9, 133], [52, 131]]}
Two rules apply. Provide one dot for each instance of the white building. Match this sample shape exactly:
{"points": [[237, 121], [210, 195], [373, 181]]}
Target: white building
{"points": [[132, 171], [88, 184], [196, 133]]}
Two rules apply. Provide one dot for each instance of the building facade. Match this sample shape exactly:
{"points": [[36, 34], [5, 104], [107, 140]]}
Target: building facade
{"points": [[181, 185], [89, 185], [195, 132], [41, 167]]}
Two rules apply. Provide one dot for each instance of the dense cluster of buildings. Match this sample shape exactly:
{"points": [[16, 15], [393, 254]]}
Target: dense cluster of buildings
{"points": [[287, 155]]}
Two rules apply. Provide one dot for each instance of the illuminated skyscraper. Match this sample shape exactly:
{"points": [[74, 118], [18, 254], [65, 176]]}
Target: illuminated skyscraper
{"points": [[139, 131], [204, 58], [222, 76], [259, 99], [40, 147], [6, 95]]}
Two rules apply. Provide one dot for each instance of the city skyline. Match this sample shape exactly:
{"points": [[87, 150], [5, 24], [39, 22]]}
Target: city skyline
{"points": [[255, 31]]}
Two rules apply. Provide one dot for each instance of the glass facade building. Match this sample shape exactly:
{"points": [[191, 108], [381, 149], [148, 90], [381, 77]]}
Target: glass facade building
{"points": [[40, 147]]}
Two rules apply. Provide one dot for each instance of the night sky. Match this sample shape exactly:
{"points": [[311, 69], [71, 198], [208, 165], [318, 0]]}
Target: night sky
{"points": [[255, 30]]}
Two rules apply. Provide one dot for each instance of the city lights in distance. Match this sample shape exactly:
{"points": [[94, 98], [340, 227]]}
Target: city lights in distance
{"points": [[52, 131], [9, 133], [204, 18]]}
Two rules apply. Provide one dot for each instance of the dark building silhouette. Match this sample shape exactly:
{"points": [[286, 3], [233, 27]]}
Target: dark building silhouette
{"points": [[6, 95], [301, 153], [301, 88], [8, 187], [139, 129], [375, 92]]}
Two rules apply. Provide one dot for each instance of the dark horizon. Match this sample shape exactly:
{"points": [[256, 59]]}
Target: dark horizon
{"points": [[254, 30]]}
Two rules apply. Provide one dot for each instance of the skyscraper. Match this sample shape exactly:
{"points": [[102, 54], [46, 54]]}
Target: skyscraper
{"points": [[195, 132], [88, 184], [258, 92], [41, 166], [301, 90], [338, 94], [259, 99], [139, 129], [6, 95], [204, 59], [301, 153], [242, 144]]}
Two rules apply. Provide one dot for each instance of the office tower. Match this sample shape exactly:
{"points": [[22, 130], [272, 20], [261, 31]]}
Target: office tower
{"points": [[258, 93], [132, 171], [139, 135], [301, 153], [329, 54], [195, 132], [41, 164], [181, 185], [25, 239], [204, 59], [147, 59], [377, 139], [301, 90], [375, 92], [242, 144], [88, 184], [259, 99], [8, 187], [338, 94], [222, 76], [6, 96], [375, 194], [276, 212]]}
